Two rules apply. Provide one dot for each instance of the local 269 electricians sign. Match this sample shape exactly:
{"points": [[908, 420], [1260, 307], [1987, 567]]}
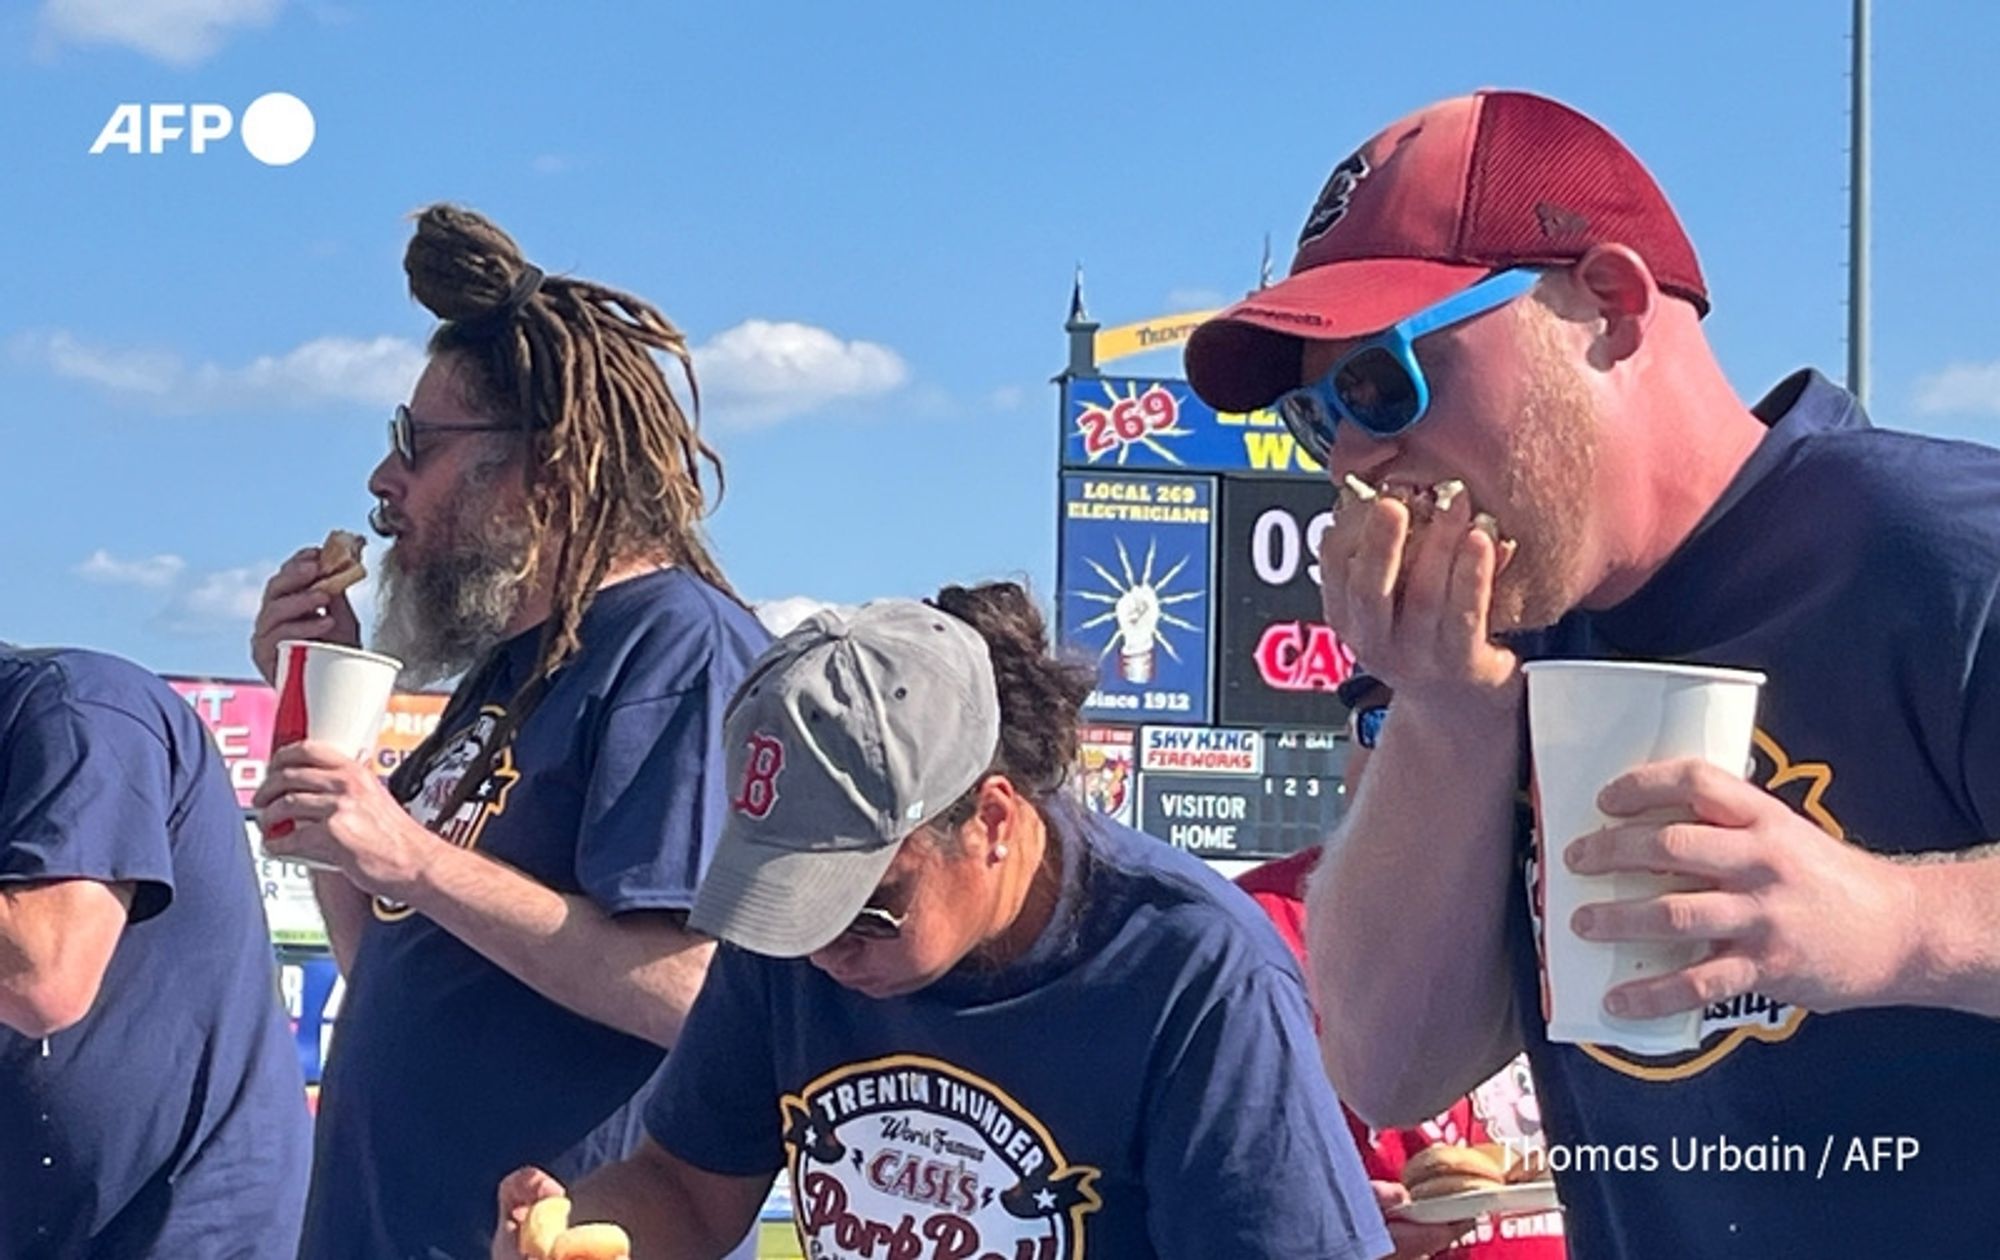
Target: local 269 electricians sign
{"points": [[1135, 570], [1276, 662]]}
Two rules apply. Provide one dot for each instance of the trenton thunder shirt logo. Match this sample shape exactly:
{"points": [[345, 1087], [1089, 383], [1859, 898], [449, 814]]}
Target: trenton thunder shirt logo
{"points": [[909, 1156], [1726, 1026], [440, 784]]}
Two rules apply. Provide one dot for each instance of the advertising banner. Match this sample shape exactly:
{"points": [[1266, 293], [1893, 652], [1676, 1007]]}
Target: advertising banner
{"points": [[290, 910], [411, 718], [312, 989], [1161, 333], [1135, 581], [240, 716], [1106, 780], [1276, 662], [1113, 422], [1200, 750], [1295, 802]]}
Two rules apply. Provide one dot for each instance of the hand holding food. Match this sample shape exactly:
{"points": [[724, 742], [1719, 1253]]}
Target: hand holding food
{"points": [[546, 1234], [1413, 1240], [1426, 506], [340, 562], [1408, 580], [545, 1223], [306, 599]]}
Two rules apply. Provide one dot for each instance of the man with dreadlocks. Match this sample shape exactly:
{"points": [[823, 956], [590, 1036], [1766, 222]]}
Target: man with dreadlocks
{"points": [[510, 910]]}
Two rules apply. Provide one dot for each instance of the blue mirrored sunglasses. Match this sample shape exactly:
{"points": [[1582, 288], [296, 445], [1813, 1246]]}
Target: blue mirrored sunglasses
{"points": [[1378, 386], [1368, 724]]}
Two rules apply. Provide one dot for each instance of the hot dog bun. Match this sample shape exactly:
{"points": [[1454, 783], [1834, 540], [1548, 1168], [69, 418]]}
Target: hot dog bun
{"points": [[339, 562], [1445, 1169], [546, 1221], [592, 1242], [1423, 505], [1531, 1167]]}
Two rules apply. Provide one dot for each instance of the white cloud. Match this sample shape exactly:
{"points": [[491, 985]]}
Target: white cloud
{"points": [[121, 371], [1961, 387], [552, 164], [197, 603], [757, 373], [1007, 398], [224, 600], [178, 32], [154, 572], [761, 371], [216, 601], [377, 371]]}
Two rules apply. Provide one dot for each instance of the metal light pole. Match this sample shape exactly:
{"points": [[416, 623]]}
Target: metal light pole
{"points": [[1857, 210]]}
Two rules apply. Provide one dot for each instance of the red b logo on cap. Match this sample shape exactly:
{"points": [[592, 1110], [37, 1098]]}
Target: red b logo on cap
{"points": [[760, 777]]}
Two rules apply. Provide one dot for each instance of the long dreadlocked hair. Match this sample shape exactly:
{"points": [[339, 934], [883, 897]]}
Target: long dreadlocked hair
{"points": [[614, 468]]}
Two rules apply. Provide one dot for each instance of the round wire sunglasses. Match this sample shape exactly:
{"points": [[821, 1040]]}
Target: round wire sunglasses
{"points": [[405, 428]]}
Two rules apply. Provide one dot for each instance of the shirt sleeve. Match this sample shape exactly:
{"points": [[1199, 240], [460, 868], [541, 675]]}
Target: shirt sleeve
{"points": [[87, 795], [1288, 916], [1266, 1169], [654, 804], [717, 1104]]}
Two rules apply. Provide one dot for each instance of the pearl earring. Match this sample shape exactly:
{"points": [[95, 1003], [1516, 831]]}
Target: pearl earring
{"points": [[1000, 851]]}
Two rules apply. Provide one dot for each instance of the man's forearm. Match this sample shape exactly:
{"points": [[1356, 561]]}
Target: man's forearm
{"points": [[1956, 960], [344, 910], [1406, 920], [638, 973]]}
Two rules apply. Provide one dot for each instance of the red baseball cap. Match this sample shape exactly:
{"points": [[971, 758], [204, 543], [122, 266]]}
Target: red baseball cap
{"points": [[1431, 204]]}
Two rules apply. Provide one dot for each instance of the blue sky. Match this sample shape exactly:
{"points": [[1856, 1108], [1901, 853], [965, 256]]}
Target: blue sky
{"points": [[866, 217]]}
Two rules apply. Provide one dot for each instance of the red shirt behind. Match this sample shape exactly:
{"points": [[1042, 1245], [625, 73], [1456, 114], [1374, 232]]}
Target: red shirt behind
{"points": [[1279, 887]]}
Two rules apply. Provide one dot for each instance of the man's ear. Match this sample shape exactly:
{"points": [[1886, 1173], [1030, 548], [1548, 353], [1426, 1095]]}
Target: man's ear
{"points": [[1619, 288]]}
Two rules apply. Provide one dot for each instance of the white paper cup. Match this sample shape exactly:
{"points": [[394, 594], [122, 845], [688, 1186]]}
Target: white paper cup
{"points": [[1588, 723], [334, 694]]}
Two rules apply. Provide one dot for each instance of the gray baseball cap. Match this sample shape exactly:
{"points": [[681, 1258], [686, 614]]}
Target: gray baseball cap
{"points": [[848, 734]]}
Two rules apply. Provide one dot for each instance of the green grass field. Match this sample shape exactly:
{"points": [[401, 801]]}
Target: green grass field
{"points": [[777, 1240]]}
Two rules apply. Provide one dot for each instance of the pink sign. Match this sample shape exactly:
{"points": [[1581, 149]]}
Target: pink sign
{"points": [[241, 715]]}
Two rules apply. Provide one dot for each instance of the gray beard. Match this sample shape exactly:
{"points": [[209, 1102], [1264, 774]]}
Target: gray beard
{"points": [[440, 614]]}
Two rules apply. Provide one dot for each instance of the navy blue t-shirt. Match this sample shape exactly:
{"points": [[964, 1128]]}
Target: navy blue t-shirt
{"points": [[171, 1121], [1858, 569], [446, 1073], [1143, 1083]]}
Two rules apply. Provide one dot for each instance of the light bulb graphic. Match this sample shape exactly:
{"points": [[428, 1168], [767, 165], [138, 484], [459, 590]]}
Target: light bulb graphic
{"points": [[1138, 615], [1139, 611]]}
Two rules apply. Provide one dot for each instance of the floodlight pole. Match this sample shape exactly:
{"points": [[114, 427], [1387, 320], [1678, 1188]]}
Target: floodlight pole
{"points": [[1857, 210]]}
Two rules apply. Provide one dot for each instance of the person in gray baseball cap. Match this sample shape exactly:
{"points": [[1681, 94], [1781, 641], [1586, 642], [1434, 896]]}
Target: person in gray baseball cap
{"points": [[876, 723], [966, 1017]]}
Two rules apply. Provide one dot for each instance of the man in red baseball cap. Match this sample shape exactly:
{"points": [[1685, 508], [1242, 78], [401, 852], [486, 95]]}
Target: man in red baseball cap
{"points": [[1491, 337]]}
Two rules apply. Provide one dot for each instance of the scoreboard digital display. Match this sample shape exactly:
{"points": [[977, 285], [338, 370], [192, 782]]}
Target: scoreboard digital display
{"points": [[1293, 804], [1276, 662]]}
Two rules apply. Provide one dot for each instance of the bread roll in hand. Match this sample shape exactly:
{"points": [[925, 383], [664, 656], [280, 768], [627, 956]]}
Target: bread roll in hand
{"points": [[339, 563]]}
